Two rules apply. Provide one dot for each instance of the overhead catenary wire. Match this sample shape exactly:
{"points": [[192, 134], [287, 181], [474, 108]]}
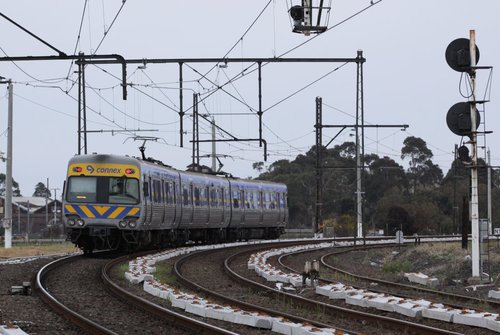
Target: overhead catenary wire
{"points": [[232, 82]]}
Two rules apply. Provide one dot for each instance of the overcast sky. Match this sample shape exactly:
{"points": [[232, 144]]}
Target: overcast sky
{"points": [[406, 78]]}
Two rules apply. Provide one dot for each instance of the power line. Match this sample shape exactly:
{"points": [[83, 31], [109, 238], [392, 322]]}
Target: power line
{"points": [[110, 26]]}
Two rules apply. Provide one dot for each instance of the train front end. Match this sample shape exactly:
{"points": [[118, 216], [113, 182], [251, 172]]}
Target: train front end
{"points": [[101, 201]]}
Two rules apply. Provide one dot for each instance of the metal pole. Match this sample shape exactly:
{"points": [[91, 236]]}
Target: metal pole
{"points": [[490, 219], [476, 271], [47, 204], [181, 106], [455, 206], [28, 223], [8, 182], [84, 110], [259, 112], [214, 149], [359, 199], [319, 164], [55, 206], [80, 66]]}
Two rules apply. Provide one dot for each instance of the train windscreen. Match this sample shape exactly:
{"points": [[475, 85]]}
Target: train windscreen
{"points": [[103, 190]]}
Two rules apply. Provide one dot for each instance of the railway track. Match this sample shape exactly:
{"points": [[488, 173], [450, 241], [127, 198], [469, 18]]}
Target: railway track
{"points": [[222, 296], [108, 308], [375, 323], [235, 266], [409, 291], [227, 266], [388, 287]]}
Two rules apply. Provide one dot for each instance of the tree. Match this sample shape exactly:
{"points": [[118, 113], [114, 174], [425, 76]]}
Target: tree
{"points": [[15, 186], [41, 191], [422, 171], [259, 166]]}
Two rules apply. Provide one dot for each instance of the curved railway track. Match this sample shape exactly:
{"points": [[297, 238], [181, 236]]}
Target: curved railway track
{"points": [[120, 305], [389, 287], [377, 321], [223, 297], [325, 314], [454, 300]]}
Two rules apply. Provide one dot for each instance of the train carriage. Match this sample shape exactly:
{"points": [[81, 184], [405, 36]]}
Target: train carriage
{"points": [[114, 201]]}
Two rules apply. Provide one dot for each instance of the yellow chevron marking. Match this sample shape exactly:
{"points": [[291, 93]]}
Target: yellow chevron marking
{"points": [[101, 209], [133, 211], [116, 212], [70, 209], [87, 211]]}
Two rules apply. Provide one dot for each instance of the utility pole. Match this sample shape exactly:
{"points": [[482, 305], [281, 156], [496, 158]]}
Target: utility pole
{"points": [[490, 219], [214, 148], [359, 155], [7, 221], [55, 205], [47, 204], [319, 165], [474, 194]]}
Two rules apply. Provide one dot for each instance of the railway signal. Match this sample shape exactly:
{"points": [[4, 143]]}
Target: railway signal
{"points": [[463, 119], [310, 16]]}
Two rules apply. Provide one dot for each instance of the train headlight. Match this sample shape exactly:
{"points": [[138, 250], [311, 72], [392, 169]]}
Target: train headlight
{"points": [[71, 222], [80, 222], [132, 224], [123, 224]]}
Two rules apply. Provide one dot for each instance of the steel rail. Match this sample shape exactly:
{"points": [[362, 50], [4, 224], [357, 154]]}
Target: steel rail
{"points": [[451, 296], [177, 267], [405, 326], [183, 321], [84, 323]]}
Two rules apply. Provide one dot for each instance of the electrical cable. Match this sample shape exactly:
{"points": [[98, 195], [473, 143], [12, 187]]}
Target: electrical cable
{"points": [[78, 36], [29, 75], [110, 26], [54, 110], [242, 36], [122, 112]]}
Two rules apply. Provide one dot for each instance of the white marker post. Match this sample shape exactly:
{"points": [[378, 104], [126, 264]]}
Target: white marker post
{"points": [[7, 221]]}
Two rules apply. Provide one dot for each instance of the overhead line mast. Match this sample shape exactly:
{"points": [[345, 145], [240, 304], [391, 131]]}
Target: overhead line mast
{"points": [[360, 150]]}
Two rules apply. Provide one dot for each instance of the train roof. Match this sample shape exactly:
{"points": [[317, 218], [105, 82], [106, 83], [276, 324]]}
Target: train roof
{"points": [[118, 159]]}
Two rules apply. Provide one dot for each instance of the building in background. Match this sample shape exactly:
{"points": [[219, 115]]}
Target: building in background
{"points": [[34, 217]]}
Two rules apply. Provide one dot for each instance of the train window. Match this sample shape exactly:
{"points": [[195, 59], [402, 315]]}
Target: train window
{"points": [[206, 197], [123, 190], [156, 191], [170, 193], [185, 195], [167, 192], [214, 197], [197, 201], [236, 202], [82, 189], [246, 196], [220, 197]]}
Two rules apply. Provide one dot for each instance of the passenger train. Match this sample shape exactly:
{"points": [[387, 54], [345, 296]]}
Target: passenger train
{"points": [[112, 202]]}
